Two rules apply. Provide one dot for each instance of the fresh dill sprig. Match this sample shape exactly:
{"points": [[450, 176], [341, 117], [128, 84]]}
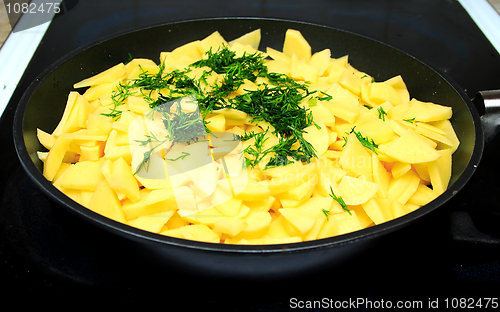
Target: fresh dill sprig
{"points": [[381, 113], [339, 200], [327, 214], [365, 141], [151, 138], [184, 155], [325, 97], [122, 92]]}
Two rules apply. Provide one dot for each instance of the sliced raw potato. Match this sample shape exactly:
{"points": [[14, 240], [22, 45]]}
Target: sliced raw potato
{"points": [[321, 60], [191, 49], [377, 212], [230, 226], [153, 222], [322, 114], [447, 128], [398, 209], [254, 192], [230, 207], [412, 148], [84, 175], [296, 44], [302, 70], [278, 56], [380, 92], [46, 139], [381, 177], [199, 232], [257, 225], [67, 110], [343, 104], [350, 81], [355, 158], [433, 133], [127, 167], [300, 220], [252, 39], [122, 180], [355, 191], [55, 157], [440, 171], [105, 202], [213, 42], [318, 136], [109, 75], [423, 195], [427, 112], [374, 128], [403, 188]]}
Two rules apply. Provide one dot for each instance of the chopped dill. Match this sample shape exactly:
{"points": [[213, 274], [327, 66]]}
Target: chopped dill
{"points": [[381, 113], [365, 141], [184, 155], [327, 214], [276, 102], [339, 200]]}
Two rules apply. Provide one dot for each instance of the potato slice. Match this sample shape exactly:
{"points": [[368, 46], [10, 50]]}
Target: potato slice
{"points": [[299, 219], [152, 222], [440, 171], [427, 112], [318, 138], [252, 39], [412, 148], [109, 75], [355, 191], [296, 44], [355, 158], [105, 202]]}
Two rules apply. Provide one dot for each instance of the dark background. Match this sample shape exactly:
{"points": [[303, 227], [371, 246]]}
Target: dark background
{"points": [[48, 258]]}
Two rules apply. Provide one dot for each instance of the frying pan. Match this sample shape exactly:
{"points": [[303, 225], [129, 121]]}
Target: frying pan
{"points": [[43, 103]]}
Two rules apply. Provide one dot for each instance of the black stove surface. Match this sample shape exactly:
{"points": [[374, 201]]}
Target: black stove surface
{"points": [[50, 258]]}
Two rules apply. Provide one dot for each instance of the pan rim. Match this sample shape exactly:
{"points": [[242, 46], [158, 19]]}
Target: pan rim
{"points": [[136, 234]]}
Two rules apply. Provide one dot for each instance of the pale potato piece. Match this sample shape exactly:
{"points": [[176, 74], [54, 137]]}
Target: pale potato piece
{"points": [[379, 156]]}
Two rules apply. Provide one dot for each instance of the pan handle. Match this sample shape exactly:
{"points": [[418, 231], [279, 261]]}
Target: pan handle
{"points": [[490, 117]]}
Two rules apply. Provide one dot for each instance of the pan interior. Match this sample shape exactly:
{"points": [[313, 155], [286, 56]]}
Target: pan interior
{"points": [[44, 102]]}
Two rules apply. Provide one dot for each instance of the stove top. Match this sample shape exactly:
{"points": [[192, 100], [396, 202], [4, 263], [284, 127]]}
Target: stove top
{"points": [[49, 257]]}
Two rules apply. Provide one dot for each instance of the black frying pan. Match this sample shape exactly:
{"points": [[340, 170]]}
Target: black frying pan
{"points": [[43, 103]]}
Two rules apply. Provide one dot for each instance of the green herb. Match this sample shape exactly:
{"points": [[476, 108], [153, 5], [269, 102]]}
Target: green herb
{"points": [[254, 150], [412, 120], [184, 155], [276, 102], [147, 155], [118, 97], [327, 214], [381, 113], [312, 102], [339, 200], [326, 96], [368, 143], [130, 58], [182, 127]]}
